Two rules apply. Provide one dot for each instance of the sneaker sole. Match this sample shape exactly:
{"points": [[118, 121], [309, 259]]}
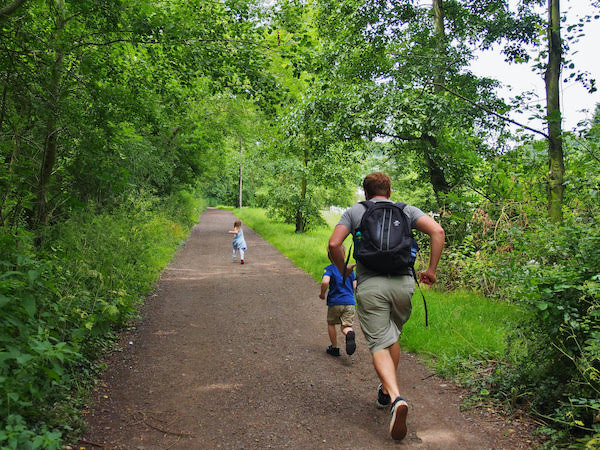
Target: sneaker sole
{"points": [[350, 343], [398, 422]]}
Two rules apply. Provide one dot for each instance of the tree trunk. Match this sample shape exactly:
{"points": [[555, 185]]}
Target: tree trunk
{"points": [[52, 131], [300, 216], [556, 167], [3, 107], [436, 174], [50, 144]]}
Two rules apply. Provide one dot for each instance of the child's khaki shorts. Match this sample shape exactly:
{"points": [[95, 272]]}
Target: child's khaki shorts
{"points": [[340, 314]]}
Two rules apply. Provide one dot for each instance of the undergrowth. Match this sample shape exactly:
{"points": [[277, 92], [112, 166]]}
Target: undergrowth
{"points": [[62, 302]]}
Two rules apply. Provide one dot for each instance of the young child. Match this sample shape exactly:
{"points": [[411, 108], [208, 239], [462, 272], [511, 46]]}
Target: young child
{"points": [[239, 243], [340, 306]]}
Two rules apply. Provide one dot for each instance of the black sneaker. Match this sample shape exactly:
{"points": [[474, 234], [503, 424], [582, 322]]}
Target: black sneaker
{"points": [[383, 400], [399, 411], [333, 351], [350, 342]]}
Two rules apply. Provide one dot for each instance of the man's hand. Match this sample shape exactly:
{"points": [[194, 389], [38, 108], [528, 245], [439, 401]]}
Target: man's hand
{"points": [[322, 296], [428, 277]]}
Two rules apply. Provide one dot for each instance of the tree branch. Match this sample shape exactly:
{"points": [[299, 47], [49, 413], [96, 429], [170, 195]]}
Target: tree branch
{"points": [[395, 136], [9, 9], [489, 111]]}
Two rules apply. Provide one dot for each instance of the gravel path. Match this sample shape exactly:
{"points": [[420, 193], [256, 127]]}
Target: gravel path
{"points": [[233, 356]]}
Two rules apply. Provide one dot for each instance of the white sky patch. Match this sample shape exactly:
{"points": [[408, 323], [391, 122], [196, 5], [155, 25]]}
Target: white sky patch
{"points": [[577, 104]]}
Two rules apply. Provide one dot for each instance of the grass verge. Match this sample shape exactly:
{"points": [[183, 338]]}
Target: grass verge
{"points": [[465, 329]]}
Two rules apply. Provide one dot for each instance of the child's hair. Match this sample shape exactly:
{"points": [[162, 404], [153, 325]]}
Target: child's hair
{"points": [[237, 224]]}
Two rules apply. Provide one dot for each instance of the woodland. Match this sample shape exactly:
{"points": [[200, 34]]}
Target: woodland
{"points": [[121, 120]]}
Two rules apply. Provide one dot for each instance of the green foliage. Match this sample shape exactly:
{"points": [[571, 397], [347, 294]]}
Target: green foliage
{"points": [[60, 305], [35, 360], [16, 436], [112, 99], [500, 246], [562, 290]]}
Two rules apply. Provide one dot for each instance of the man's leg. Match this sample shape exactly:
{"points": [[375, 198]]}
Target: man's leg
{"points": [[395, 355], [385, 362], [386, 365]]}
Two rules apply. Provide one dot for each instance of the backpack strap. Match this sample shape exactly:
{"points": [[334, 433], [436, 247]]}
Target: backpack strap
{"points": [[422, 295], [346, 265]]}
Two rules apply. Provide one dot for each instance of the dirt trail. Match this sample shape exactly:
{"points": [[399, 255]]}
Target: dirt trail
{"points": [[233, 356]]}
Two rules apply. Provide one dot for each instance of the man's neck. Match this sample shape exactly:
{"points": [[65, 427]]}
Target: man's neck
{"points": [[383, 197]]}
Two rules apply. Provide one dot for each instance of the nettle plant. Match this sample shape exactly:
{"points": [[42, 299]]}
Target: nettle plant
{"points": [[561, 369]]}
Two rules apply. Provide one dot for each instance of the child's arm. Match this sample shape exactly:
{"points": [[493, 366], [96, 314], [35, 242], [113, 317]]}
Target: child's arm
{"points": [[233, 232], [349, 269], [324, 286]]}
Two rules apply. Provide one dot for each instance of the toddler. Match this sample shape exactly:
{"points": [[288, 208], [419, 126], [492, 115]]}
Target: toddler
{"points": [[340, 306], [239, 243]]}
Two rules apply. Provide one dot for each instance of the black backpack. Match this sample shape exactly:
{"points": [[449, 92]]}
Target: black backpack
{"points": [[384, 241]]}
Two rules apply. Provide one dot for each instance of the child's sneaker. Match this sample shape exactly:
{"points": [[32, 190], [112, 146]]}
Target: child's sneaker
{"points": [[241, 261], [383, 400], [333, 351], [398, 422], [350, 342]]}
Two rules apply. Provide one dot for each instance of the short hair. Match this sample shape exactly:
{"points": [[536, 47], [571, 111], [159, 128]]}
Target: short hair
{"points": [[237, 224], [377, 183]]}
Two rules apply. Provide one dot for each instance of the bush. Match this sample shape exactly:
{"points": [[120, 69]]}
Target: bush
{"points": [[61, 303], [35, 360], [559, 376]]}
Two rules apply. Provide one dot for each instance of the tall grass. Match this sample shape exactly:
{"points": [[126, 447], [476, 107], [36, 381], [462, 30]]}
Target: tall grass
{"points": [[463, 326]]}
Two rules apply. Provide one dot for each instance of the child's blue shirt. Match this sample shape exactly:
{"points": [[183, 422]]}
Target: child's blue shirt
{"points": [[238, 241], [339, 293]]}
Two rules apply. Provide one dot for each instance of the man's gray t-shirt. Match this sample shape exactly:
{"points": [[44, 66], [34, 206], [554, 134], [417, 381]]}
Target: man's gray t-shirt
{"points": [[351, 219]]}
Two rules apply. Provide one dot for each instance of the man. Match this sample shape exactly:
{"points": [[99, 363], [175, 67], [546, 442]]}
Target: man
{"points": [[384, 301]]}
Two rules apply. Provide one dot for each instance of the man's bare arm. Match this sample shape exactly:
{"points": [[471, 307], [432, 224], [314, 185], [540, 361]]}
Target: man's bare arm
{"points": [[340, 232], [429, 226]]}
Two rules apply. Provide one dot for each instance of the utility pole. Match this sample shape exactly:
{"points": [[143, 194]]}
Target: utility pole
{"points": [[241, 170]]}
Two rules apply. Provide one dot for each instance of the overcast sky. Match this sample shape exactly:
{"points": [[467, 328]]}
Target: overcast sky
{"points": [[576, 103]]}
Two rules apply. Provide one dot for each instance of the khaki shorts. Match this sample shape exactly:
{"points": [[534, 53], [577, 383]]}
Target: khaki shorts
{"points": [[383, 305], [340, 314]]}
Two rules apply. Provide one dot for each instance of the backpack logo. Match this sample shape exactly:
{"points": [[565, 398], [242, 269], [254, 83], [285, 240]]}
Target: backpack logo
{"points": [[396, 223]]}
